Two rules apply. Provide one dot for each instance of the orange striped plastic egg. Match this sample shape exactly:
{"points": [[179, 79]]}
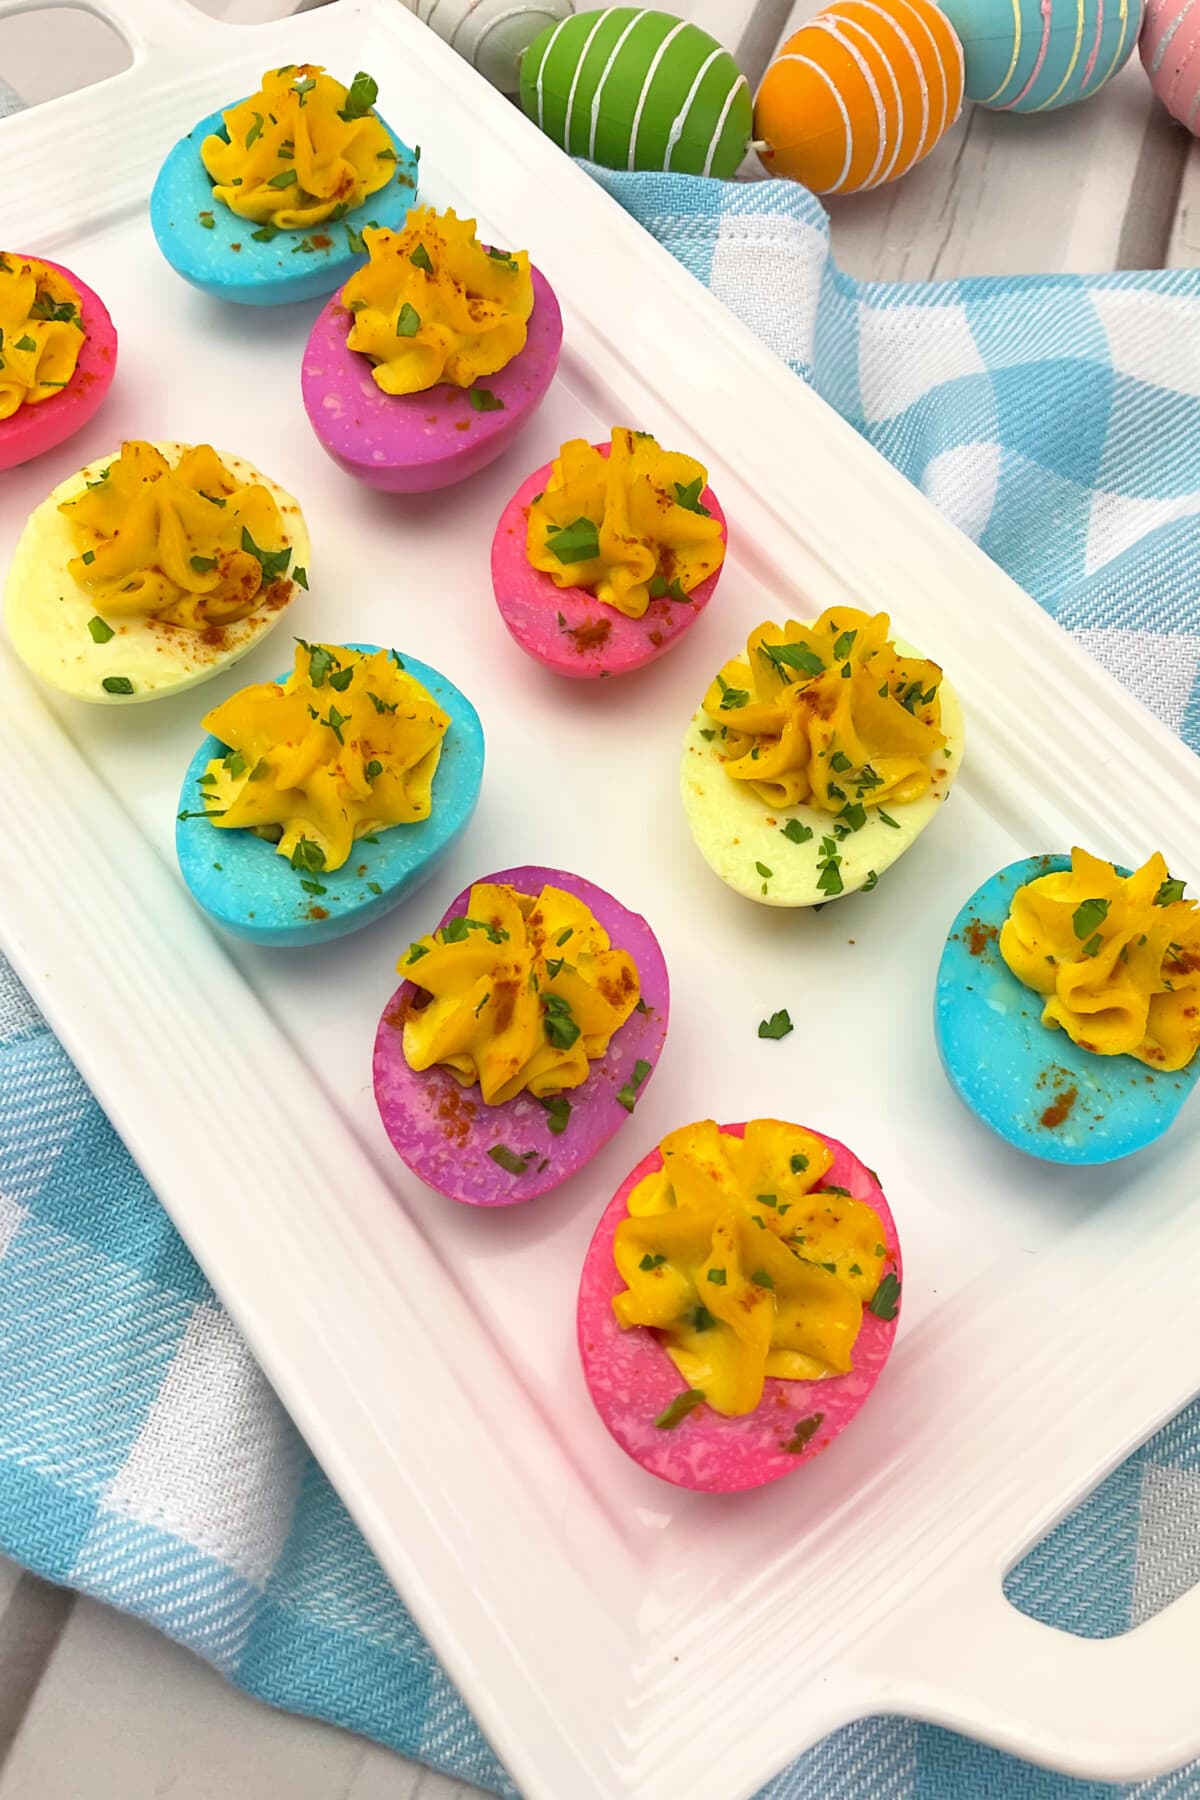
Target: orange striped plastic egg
{"points": [[859, 94]]}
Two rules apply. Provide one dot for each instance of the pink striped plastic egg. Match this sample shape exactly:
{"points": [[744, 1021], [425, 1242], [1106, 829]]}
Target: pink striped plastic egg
{"points": [[1170, 52]]}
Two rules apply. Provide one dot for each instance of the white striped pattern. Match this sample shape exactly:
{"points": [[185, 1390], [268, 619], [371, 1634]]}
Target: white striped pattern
{"points": [[680, 120], [587, 44], [885, 175], [829, 23], [651, 72], [919, 71], [547, 54], [806, 62], [715, 140], [617, 48]]}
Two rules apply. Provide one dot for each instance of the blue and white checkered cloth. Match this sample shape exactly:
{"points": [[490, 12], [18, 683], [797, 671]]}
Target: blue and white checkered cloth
{"points": [[143, 1457]]}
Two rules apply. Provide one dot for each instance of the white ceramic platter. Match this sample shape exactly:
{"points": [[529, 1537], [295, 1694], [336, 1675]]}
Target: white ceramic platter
{"points": [[617, 1639]]}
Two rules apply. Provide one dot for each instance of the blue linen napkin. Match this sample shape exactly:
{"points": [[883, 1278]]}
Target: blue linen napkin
{"points": [[143, 1458]]}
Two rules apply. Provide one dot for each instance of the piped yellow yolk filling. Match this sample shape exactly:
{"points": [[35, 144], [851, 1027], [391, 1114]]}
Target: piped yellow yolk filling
{"points": [[433, 305], [830, 715], [191, 545], [524, 993], [629, 527], [744, 1264], [301, 151], [41, 333], [347, 746], [1117, 957]]}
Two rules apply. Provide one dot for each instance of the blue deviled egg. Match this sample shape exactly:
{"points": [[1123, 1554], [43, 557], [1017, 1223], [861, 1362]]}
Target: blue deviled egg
{"points": [[265, 201], [1068, 1005], [322, 799]]}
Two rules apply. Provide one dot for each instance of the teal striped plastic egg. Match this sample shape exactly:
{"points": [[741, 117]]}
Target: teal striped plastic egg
{"points": [[635, 89], [1036, 55]]}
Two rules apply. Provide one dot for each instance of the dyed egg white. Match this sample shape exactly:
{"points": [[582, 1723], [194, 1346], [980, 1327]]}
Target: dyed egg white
{"points": [[1170, 52], [859, 95], [636, 89], [32, 430], [226, 260], [1034, 1086], [1034, 55], [736, 832], [241, 881], [412, 443], [51, 617], [493, 35], [568, 629]]}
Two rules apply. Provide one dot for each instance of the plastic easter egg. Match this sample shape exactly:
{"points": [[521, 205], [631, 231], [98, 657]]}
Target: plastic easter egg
{"points": [[1170, 52], [56, 623], [502, 1155], [637, 89], [1034, 55], [32, 430], [242, 883], [411, 443], [859, 95], [569, 629], [1035, 1087], [493, 35], [230, 258], [636, 1387]]}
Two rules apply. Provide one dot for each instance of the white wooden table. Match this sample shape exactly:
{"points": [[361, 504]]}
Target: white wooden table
{"points": [[94, 1706]]}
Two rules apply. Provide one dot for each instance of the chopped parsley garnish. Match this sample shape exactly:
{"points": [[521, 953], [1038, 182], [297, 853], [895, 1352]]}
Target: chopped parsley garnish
{"points": [[1088, 917], [202, 565], [1092, 947], [844, 645], [482, 1004], [416, 952], [335, 721], [320, 662], [563, 937], [100, 629], [651, 1262], [689, 497], [381, 706], [255, 131], [661, 589], [559, 1109], [793, 656], [574, 543], [799, 1163], [60, 312], [829, 1188], [25, 343], [1171, 889], [717, 1277], [795, 832], [710, 735], [839, 762], [285, 178], [313, 887], [207, 222], [304, 87], [455, 930], [273, 563], [482, 400], [265, 234], [886, 1301], [299, 575], [627, 1095], [763, 1278], [559, 1023], [117, 684], [373, 769], [777, 1026], [340, 679], [409, 322], [802, 1432], [235, 764], [308, 856], [679, 1409], [872, 881], [702, 1319], [829, 870], [502, 256], [764, 871], [731, 697], [887, 818], [362, 95], [509, 1161]]}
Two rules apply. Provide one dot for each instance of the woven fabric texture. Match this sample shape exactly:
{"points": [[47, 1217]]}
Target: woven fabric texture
{"points": [[143, 1458]]}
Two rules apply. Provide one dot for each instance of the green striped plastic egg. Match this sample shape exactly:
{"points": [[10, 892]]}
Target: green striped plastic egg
{"points": [[634, 89]]}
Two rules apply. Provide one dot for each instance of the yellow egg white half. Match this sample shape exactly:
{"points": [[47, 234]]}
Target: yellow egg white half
{"points": [[736, 831], [47, 612]]}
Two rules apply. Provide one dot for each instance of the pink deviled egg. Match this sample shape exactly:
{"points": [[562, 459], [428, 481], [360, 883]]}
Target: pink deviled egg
{"points": [[542, 1020], [607, 555], [738, 1302], [432, 357], [58, 353]]}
